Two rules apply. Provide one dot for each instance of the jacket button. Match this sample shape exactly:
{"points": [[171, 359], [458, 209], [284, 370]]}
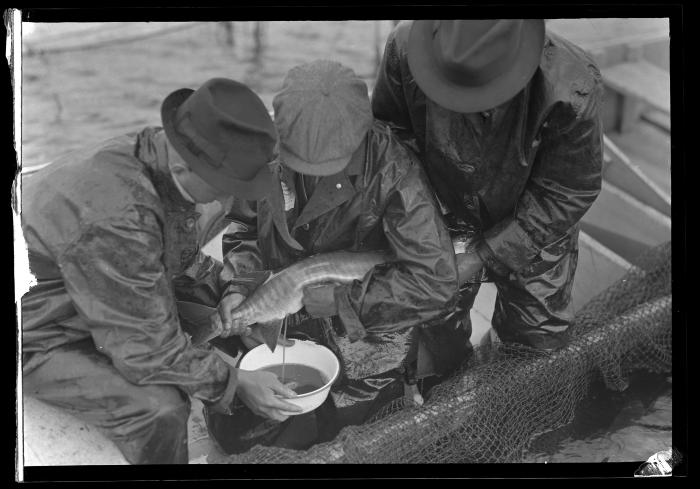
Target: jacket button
{"points": [[535, 143], [189, 223], [338, 186], [306, 227]]}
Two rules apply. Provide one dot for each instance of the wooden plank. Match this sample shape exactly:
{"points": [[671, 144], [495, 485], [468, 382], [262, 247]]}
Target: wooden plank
{"points": [[598, 268], [627, 176], [641, 80], [650, 149], [660, 119], [625, 225], [596, 34]]}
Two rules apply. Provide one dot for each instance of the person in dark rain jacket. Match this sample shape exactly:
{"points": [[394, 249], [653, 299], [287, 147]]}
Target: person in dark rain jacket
{"points": [[346, 183], [505, 118], [112, 241]]}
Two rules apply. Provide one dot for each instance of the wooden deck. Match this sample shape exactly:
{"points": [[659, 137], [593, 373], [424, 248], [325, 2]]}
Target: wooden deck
{"points": [[649, 148]]}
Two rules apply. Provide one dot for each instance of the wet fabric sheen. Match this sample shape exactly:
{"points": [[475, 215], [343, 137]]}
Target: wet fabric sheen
{"points": [[519, 178], [381, 201], [113, 245]]}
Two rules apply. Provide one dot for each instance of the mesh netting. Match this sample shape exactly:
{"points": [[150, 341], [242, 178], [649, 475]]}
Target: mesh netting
{"points": [[507, 395]]}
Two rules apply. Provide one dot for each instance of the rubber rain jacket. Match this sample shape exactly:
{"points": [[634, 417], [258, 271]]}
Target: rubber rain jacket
{"points": [[399, 318], [518, 177], [113, 244]]}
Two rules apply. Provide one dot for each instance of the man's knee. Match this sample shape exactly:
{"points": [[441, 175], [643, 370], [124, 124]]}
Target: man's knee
{"points": [[156, 429], [165, 404]]}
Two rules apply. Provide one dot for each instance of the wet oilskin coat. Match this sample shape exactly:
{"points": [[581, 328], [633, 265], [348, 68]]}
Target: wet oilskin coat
{"points": [[399, 318], [518, 177], [113, 244]]}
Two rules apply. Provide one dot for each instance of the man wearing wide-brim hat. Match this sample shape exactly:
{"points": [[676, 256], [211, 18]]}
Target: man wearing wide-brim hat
{"points": [[347, 183], [505, 116], [113, 244]]}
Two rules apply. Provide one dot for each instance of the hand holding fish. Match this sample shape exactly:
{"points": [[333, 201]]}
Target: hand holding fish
{"points": [[262, 392], [282, 293], [231, 327], [319, 300]]}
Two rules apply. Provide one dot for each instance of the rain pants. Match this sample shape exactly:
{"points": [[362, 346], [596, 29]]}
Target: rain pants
{"points": [[397, 325], [517, 178], [113, 244]]}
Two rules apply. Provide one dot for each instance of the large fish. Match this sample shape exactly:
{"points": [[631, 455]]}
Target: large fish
{"points": [[282, 293]]}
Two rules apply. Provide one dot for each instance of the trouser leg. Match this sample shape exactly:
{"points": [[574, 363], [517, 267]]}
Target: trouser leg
{"points": [[533, 307], [147, 423]]}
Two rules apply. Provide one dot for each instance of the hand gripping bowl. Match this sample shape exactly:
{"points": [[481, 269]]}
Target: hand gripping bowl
{"points": [[303, 352]]}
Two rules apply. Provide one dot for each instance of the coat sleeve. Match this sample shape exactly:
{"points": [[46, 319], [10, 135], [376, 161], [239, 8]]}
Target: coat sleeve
{"points": [[201, 281], [419, 285], [242, 256], [388, 97], [115, 277], [564, 183]]}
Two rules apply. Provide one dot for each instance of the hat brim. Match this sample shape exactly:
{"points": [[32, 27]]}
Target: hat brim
{"points": [[460, 98], [330, 167], [254, 189]]}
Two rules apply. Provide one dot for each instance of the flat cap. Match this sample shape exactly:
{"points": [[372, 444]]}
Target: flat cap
{"points": [[322, 116]]}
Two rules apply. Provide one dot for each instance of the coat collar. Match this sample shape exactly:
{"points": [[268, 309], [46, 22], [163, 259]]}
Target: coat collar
{"points": [[152, 150], [334, 190]]}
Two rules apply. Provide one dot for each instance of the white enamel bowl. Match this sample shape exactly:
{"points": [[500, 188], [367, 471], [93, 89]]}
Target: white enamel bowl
{"points": [[302, 352]]}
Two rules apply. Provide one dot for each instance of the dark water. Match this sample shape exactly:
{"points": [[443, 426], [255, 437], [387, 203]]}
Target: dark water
{"points": [[613, 426], [304, 379], [73, 99]]}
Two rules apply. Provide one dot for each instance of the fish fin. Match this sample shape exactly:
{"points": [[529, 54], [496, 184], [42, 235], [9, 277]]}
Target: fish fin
{"points": [[201, 322], [271, 332], [213, 330]]}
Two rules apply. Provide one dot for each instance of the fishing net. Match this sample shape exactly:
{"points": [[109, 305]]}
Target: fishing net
{"points": [[506, 395]]}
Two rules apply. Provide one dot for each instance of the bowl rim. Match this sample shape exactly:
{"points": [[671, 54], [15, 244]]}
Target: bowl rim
{"points": [[324, 386]]}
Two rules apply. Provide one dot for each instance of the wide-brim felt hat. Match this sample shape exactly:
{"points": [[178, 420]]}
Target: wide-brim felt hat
{"points": [[474, 65], [225, 134]]}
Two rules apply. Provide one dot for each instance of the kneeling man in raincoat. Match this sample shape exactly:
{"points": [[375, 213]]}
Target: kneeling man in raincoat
{"points": [[112, 239]]}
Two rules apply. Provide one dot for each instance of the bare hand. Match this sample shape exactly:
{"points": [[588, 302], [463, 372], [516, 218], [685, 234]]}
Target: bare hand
{"points": [[469, 267], [230, 327], [319, 300], [255, 338], [262, 392]]}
